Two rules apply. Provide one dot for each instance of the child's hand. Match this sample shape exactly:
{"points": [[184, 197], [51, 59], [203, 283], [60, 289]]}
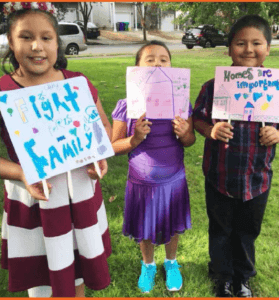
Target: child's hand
{"points": [[222, 131], [103, 167], [269, 136], [36, 190], [180, 126], [142, 128]]}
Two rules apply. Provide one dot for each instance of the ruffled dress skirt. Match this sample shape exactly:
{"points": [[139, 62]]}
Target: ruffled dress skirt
{"points": [[156, 209], [54, 243]]}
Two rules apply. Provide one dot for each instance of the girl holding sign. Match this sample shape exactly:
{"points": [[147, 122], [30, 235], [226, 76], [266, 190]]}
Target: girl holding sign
{"points": [[58, 245], [157, 206], [237, 167]]}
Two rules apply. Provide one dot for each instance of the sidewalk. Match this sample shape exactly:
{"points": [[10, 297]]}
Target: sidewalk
{"points": [[135, 37]]}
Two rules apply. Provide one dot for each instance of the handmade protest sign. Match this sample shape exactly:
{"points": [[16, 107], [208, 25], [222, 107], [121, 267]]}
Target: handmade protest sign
{"points": [[162, 93], [246, 94], [54, 127]]}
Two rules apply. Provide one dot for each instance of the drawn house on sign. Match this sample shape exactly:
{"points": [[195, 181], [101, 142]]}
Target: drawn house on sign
{"points": [[248, 112], [159, 95], [222, 101]]}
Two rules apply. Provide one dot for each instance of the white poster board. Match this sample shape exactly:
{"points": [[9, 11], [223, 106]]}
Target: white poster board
{"points": [[54, 127], [162, 93], [246, 94]]}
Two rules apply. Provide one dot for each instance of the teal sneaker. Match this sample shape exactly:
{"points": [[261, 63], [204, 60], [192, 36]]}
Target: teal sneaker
{"points": [[173, 276], [147, 277]]}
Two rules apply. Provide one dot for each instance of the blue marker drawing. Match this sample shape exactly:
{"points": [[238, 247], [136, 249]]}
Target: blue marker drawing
{"points": [[92, 113], [3, 99], [73, 131], [269, 97], [256, 96], [102, 149], [86, 128], [237, 96], [61, 138], [97, 132]]}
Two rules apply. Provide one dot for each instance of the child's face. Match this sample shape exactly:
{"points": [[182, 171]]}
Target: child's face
{"points": [[249, 48], [34, 43], [154, 56]]}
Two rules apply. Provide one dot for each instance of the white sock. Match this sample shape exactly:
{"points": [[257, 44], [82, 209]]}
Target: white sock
{"points": [[171, 260], [151, 264]]}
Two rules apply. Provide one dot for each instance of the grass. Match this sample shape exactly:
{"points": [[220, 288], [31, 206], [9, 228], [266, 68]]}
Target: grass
{"points": [[108, 75]]}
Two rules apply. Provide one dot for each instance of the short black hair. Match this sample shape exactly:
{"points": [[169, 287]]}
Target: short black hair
{"points": [[151, 43], [61, 62], [254, 21]]}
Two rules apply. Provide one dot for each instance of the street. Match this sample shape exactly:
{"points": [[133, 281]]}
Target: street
{"points": [[101, 47]]}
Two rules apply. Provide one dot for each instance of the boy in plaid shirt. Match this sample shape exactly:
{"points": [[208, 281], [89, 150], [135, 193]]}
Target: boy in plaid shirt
{"points": [[237, 168]]}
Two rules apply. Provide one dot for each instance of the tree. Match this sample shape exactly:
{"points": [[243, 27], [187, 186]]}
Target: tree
{"points": [[85, 8], [221, 14], [141, 8], [147, 11], [61, 8]]}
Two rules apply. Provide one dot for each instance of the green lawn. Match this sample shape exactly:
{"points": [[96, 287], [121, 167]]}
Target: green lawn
{"points": [[108, 75]]}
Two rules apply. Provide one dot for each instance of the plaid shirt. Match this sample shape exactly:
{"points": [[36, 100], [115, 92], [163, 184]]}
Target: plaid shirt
{"points": [[242, 168]]}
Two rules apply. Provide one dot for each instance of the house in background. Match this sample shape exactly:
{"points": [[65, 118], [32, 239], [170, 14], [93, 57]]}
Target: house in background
{"points": [[107, 14]]}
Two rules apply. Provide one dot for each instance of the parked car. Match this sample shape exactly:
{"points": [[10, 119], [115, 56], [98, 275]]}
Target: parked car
{"points": [[71, 35], [92, 30], [205, 36], [72, 38]]}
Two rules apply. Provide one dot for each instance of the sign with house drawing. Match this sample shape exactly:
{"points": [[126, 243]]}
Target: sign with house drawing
{"points": [[54, 127], [246, 94], [162, 93]]}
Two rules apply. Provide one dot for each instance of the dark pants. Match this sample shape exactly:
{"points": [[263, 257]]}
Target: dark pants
{"points": [[234, 226]]}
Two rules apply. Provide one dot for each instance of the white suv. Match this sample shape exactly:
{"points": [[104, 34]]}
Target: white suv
{"points": [[72, 38]]}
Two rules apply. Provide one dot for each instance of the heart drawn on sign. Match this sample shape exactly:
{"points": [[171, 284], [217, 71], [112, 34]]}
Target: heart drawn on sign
{"points": [[237, 96], [269, 97], [257, 96]]}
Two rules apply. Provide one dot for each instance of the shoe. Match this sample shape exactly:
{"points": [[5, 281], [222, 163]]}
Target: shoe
{"points": [[147, 277], [173, 276], [223, 289], [242, 289]]}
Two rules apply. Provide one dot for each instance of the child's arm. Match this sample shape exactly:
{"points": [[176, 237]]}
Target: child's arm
{"points": [[220, 131], [12, 171], [104, 118], [269, 136], [202, 116], [122, 144], [184, 129]]}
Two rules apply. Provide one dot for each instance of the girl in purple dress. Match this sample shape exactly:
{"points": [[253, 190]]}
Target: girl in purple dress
{"points": [[157, 206]]}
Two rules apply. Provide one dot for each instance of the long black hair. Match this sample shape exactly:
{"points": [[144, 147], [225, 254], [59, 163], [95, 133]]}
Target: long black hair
{"points": [[61, 62]]}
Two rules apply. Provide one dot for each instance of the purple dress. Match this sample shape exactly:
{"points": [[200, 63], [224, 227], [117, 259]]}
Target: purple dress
{"points": [[157, 200]]}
